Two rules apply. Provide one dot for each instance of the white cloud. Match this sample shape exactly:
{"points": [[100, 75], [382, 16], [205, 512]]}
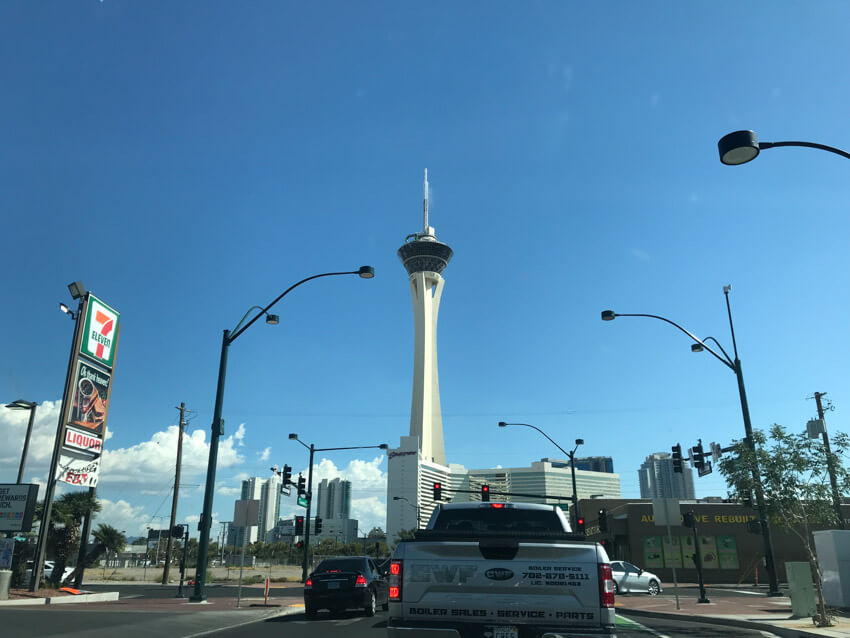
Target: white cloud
{"points": [[132, 520], [264, 455], [13, 428], [137, 464], [194, 518]]}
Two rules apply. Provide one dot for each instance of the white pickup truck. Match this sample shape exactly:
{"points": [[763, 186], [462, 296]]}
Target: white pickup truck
{"points": [[499, 570]]}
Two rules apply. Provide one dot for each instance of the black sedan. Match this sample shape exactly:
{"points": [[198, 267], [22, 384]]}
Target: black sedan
{"points": [[346, 582]]}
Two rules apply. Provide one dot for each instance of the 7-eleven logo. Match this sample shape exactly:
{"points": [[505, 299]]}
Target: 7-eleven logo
{"points": [[99, 337]]}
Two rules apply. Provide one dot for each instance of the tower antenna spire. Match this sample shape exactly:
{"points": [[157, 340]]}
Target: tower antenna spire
{"points": [[425, 202]]}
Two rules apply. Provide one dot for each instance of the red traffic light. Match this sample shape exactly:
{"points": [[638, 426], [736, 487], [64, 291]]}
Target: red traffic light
{"points": [[485, 488]]}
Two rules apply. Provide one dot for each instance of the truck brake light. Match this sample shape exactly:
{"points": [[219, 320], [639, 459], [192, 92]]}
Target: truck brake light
{"points": [[606, 585], [395, 580]]}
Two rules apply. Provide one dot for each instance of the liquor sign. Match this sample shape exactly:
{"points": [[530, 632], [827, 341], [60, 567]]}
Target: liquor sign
{"points": [[17, 506], [100, 332], [84, 441], [78, 469]]}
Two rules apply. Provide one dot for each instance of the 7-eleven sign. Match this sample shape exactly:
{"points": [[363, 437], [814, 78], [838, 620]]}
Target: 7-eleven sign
{"points": [[99, 331]]}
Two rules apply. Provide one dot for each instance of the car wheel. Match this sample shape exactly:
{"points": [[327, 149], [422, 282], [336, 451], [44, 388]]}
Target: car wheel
{"points": [[309, 611], [654, 588], [370, 604]]}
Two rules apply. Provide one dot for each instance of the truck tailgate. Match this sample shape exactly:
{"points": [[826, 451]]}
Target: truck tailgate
{"points": [[493, 581]]}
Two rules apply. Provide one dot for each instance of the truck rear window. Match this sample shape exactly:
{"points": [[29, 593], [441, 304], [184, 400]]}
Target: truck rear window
{"points": [[487, 519]]}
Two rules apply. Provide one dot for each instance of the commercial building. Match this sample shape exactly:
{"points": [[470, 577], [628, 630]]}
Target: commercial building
{"points": [[658, 480], [596, 464], [730, 552], [334, 499]]}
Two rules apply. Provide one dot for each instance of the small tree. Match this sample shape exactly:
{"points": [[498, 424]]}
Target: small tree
{"points": [[796, 485]]}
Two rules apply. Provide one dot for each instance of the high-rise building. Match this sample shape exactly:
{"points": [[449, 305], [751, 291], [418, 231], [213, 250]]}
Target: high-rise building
{"points": [[269, 505], [252, 489], [658, 480], [596, 464], [334, 499], [421, 456]]}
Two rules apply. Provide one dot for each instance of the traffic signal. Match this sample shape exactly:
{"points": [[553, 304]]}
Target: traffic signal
{"points": [[438, 491], [698, 457], [485, 492], [302, 486], [677, 458], [318, 523], [299, 525], [177, 531], [689, 520], [300, 544], [603, 520], [580, 525], [286, 475], [754, 526]]}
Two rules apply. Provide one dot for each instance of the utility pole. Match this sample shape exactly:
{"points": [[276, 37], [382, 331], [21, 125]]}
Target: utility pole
{"points": [[830, 465], [180, 427]]}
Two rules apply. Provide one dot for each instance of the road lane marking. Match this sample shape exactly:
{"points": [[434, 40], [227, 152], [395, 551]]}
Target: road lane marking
{"points": [[628, 623]]}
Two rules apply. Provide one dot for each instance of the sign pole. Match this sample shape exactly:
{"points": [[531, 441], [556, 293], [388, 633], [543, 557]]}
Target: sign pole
{"points": [[41, 546], [241, 567], [673, 563]]}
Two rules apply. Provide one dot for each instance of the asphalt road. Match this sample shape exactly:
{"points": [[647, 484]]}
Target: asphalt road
{"points": [[149, 590]]}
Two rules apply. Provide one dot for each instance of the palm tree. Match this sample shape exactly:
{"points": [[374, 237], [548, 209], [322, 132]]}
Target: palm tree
{"points": [[110, 539], [67, 515]]}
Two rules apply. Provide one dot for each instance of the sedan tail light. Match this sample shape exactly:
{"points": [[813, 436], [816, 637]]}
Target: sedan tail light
{"points": [[606, 585], [308, 584], [361, 581], [395, 580]]}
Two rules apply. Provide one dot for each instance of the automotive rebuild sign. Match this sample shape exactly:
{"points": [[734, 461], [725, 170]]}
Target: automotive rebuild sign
{"points": [[17, 506]]}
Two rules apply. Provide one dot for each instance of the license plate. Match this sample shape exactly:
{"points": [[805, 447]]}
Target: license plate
{"points": [[505, 632], [333, 585]]}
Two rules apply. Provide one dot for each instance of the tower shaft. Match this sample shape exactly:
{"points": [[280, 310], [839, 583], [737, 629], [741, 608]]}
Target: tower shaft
{"points": [[426, 421]]}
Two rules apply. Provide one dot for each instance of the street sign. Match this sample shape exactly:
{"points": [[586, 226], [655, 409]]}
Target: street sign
{"points": [[665, 511], [302, 501], [17, 506], [246, 512], [716, 452]]}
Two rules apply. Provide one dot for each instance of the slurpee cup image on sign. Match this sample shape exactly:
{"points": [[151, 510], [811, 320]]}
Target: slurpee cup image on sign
{"points": [[91, 398]]}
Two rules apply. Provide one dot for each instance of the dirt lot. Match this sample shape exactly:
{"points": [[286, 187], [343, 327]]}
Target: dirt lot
{"points": [[278, 573]]}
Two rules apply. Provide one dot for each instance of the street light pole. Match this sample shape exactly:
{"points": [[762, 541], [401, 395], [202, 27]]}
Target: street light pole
{"points": [[20, 404], [830, 464], [416, 507], [735, 366], [741, 147], [199, 594], [570, 455]]}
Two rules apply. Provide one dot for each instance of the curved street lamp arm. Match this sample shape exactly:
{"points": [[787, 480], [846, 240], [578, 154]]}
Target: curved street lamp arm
{"points": [[244, 317], [690, 334], [726, 354], [822, 147], [232, 337], [528, 425]]}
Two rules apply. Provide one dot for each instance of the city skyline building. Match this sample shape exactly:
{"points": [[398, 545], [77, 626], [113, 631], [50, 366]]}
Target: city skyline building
{"points": [[269, 505], [658, 480], [333, 499]]}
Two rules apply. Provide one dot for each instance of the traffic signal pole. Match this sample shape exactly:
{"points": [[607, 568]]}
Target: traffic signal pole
{"points": [[307, 518]]}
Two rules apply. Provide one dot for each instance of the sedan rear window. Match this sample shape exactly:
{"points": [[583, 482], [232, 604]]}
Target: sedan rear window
{"points": [[342, 564]]}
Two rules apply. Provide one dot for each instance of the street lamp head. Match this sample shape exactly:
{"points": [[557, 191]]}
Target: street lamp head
{"points": [[293, 436], [272, 320], [384, 446], [77, 289], [696, 347], [608, 315], [20, 404], [739, 147], [579, 442], [502, 424], [67, 310], [366, 272]]}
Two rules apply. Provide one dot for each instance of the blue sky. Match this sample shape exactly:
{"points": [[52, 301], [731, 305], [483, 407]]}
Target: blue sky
{"points": [[186, 161]]}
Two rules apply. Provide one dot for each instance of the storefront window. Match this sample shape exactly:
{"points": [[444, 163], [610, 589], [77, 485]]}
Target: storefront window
{"points": [[718, 552]]}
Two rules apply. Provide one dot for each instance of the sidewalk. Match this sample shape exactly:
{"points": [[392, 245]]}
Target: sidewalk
{"points": [[750, 610]]}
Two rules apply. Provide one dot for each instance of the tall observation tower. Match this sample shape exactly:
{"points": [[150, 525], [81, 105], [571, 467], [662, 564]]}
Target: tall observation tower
{"points": [[425, 258]]}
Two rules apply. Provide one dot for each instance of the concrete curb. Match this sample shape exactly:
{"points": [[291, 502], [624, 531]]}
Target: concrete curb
{"points": [[284, 611], [783, 632], [63, 600]]}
